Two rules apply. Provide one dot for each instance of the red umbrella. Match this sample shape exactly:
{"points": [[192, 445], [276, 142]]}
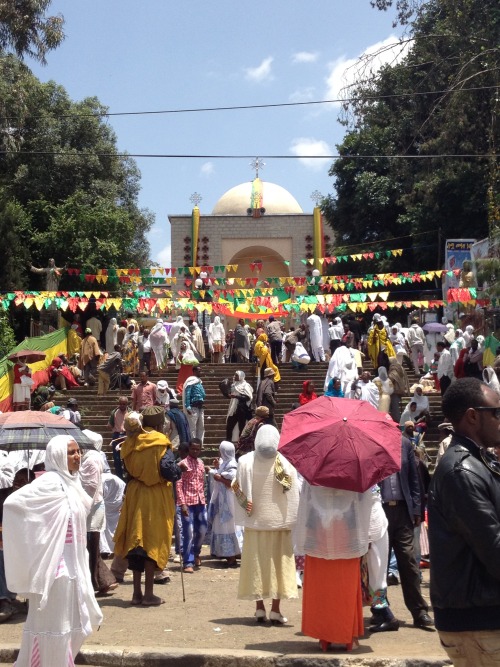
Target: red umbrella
{"points": [[29, 356], [341, 443]]}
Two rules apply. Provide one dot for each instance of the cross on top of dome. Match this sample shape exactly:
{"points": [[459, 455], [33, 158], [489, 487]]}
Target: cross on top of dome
{"points": [[195, 198], [257, 164]]}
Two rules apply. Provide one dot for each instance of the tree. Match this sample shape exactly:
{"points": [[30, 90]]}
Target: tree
{"points": [[7, 337], [440, 101], [26, 30], [75, 196], [15, 229]]}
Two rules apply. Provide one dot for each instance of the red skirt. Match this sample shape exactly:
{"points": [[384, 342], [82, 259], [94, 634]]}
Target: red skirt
{"points": [[332, 607]]}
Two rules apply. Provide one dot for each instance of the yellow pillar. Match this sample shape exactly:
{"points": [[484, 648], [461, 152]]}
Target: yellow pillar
{"points": [[317, 238], [195, 230]]}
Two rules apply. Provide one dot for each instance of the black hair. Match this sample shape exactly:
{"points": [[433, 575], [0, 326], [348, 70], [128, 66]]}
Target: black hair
{"points": [[195, 441], [444, 343], [183, 448], [460, 396]]}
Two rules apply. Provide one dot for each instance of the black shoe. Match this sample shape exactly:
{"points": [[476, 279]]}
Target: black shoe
{"points": [[392, 580], [386, 626], [423, 621]]}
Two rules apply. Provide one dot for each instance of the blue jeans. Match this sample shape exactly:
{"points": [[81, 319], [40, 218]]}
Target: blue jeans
{"points": [[116, 454], [194, 528]]}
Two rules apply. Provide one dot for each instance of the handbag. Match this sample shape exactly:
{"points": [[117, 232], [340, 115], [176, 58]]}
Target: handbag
{"points": [[169, 469]]}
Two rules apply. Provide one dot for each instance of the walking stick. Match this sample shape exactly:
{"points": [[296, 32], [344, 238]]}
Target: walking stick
{"points": [[177, 541]]}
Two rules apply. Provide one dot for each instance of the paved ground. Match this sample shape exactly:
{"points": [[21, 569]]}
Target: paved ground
{"points": [[213, 619]]}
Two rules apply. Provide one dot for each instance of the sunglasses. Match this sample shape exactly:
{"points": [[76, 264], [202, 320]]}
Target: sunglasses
{"points": [[495, 411]]}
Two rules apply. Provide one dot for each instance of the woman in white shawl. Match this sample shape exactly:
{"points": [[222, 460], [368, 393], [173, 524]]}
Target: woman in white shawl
{"points": [[266, 487], [333, 533], [491, 379], [91, 471], [226, 538], [386, 389], [468, 335], [216, 340], [421, 400], [398, 342], [46, 559], [198, 340], [113, 492], [241, 394], [457, 345], [111, 335], [343, 366], [159, 343], [174, 330]]}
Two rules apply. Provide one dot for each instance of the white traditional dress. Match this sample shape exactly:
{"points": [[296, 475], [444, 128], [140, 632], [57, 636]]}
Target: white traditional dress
{"points": [[316, 336], [113, 492], [159, 343], [45, 521], [270, 483], [226, 537]]}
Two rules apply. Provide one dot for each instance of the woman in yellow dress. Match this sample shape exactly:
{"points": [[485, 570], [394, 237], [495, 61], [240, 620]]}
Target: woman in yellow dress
{"points": [[263, 354], [378, 341]]}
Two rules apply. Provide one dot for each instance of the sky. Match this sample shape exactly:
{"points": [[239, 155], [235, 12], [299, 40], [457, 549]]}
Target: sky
{"points": [[158, 55]]}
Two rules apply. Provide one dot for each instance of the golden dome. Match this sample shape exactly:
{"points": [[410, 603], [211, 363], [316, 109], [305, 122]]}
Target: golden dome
{"points": [[275, 199]]}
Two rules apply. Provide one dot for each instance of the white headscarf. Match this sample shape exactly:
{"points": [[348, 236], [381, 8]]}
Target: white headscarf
{"points": [[491, 379], [266, 442], [387, 386], [227, 463], [242, 386], [421, 401]]}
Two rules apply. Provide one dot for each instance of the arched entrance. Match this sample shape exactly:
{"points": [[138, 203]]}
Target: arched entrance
{"points": [[272, 261]]}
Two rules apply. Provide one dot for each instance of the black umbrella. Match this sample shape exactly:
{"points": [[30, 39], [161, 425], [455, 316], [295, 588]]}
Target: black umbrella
{"points": [[27, 429]]}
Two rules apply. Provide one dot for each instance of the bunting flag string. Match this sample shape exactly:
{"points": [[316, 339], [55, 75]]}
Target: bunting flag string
{"points": [[235, 300], [161, 273], [356, 257], [348, 281]]}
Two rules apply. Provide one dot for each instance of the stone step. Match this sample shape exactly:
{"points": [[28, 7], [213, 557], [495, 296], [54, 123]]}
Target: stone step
{"points": [[96, 410]]}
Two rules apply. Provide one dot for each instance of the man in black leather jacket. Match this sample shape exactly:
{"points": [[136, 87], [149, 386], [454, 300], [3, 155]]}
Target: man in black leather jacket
{"points": [[464, 528]]}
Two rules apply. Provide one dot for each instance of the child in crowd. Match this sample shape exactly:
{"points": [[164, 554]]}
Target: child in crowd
{"points": [[191, 500]]}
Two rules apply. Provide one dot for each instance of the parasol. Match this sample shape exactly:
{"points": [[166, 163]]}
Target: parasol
{"points": [[341, 443], [29, 356], [435, 327], [27, 429]]}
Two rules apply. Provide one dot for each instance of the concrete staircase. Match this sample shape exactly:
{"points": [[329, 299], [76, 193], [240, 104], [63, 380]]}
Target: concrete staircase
{"points": [[95, 409]]}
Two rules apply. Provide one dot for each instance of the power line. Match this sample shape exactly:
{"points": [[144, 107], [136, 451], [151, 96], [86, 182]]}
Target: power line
{"points": [[350, 100], [177, 156]]}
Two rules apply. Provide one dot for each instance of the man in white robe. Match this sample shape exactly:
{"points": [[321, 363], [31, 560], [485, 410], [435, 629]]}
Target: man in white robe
{"points": [[316, 337]]}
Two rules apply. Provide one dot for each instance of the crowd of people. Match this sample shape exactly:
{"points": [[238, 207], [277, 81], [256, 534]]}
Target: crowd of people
{"points": [[250, 504]]}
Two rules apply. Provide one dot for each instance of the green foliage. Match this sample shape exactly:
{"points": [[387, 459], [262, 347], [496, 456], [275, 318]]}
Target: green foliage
{"points": [[71, 195], [26, 30], [454, 48], [7, 338], [15, 229]]}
